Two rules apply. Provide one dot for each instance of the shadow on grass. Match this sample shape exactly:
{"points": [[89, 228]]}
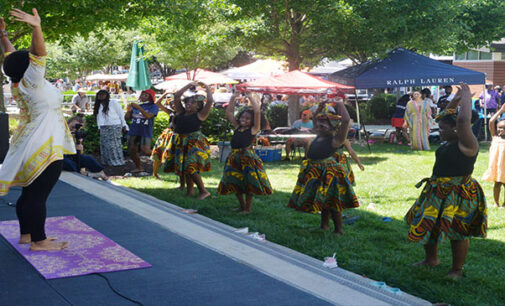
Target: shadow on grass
{"points": [[370, 247]]}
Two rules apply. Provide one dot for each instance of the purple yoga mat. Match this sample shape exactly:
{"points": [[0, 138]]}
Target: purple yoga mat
{"points": [[88, 251]]}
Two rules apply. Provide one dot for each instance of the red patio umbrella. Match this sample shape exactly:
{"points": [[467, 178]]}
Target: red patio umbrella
{"points": [[295, 83]]}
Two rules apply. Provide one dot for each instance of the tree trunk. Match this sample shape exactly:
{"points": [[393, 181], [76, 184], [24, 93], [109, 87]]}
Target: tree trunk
{"points": [[293, 109], [294, 60]]}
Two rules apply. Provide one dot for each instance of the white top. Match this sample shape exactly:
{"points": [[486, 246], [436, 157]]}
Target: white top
{"points": [[42, 136], [114, 116]]}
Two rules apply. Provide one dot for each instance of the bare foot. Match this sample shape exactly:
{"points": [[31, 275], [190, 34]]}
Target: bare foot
{"points": [[455, 275], [156, 176], [27, 238], [245, 212], [47, 245], [340, 232], [203, 195], [325, 227], [426, 263], [190, 192]]}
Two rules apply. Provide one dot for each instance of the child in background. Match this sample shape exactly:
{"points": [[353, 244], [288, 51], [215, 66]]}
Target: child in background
{"points": [[244, 174], [341, 157], [188, 152], [496, 169], [322, 185]]}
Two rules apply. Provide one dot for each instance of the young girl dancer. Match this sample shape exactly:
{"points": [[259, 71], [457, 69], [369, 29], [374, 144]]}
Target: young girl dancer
{"points": [[243, 173], [452, 204], [158, 154], [496, 171], [322, 184], [188, 153], [341, 157]]}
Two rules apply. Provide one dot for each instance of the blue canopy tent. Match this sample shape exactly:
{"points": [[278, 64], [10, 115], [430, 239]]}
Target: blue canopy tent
{"points": [[404, 68]]}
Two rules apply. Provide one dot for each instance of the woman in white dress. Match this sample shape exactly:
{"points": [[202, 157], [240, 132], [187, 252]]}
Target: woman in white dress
{"points": [[35, 157]]}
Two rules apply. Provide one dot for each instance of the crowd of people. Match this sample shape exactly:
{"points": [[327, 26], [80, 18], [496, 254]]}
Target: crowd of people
{"points": [[451, 206]]}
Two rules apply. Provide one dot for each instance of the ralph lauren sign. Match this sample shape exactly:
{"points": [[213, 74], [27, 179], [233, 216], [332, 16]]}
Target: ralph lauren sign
{"points": [[418, 82]]}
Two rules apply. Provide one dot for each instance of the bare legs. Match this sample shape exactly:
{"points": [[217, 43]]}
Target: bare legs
{"points": [[134, 154], [496, 193], [431, 258], [156, 167], [245, 202], [336, 216], [459, 252], [195, 178], [136, 158]]}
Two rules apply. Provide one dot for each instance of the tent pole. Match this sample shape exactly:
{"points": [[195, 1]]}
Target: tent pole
{"points": [[484, 93], [359, 123], [357, 114]]}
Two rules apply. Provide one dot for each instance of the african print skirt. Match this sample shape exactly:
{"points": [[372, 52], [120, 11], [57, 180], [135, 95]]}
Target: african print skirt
{"points": [[111, 148], [161, 145], [187, 154], [244, 173], [341, 157], [322, 184], [448, 208]]}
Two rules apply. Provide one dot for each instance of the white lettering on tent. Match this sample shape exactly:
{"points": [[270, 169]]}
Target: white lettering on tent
{"points": [[426, 81], [400, 82]]}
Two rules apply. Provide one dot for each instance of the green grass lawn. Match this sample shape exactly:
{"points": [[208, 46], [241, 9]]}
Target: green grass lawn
{"points": [[370, 247]]}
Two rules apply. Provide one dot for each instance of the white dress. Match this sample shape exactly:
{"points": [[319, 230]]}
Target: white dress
{"points": [[42, 136]]}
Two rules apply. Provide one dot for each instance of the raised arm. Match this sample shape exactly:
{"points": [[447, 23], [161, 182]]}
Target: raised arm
{"points": [[177, 97], [353, 154], [341, 134], [255, 102], [160, 105], [467, 142], [204, 113], [38, 47], [494, 118], [230, 109], [5, 43]]}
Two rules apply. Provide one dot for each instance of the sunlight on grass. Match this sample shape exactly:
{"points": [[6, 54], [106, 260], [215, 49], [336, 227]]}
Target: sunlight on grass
{"points": [[370, 247]]}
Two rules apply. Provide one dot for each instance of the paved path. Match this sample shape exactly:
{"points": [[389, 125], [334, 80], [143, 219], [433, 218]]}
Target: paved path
{"points": [[195, 260]]}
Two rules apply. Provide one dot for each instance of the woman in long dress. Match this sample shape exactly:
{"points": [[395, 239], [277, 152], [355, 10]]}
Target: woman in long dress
{"points": [[417, 119], [35, 157]]}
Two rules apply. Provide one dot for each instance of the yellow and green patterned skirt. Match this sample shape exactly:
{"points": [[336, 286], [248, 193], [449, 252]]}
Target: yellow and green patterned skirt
{"points": [[244, 173], [161, 145], [448, 208], [341, 157], [187, 154], [322, 184]]}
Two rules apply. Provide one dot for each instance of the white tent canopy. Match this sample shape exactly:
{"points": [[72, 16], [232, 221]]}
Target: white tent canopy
{"points": [[257, 70], [107, 77]]}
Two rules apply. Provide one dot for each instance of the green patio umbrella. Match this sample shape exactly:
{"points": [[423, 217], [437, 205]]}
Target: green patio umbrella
{"points": [[139, 77]]}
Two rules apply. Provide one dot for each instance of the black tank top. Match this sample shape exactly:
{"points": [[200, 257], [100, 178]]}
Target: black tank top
{"points": [[241, 140], [187, 124], [451, 162], [320, 148]]}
